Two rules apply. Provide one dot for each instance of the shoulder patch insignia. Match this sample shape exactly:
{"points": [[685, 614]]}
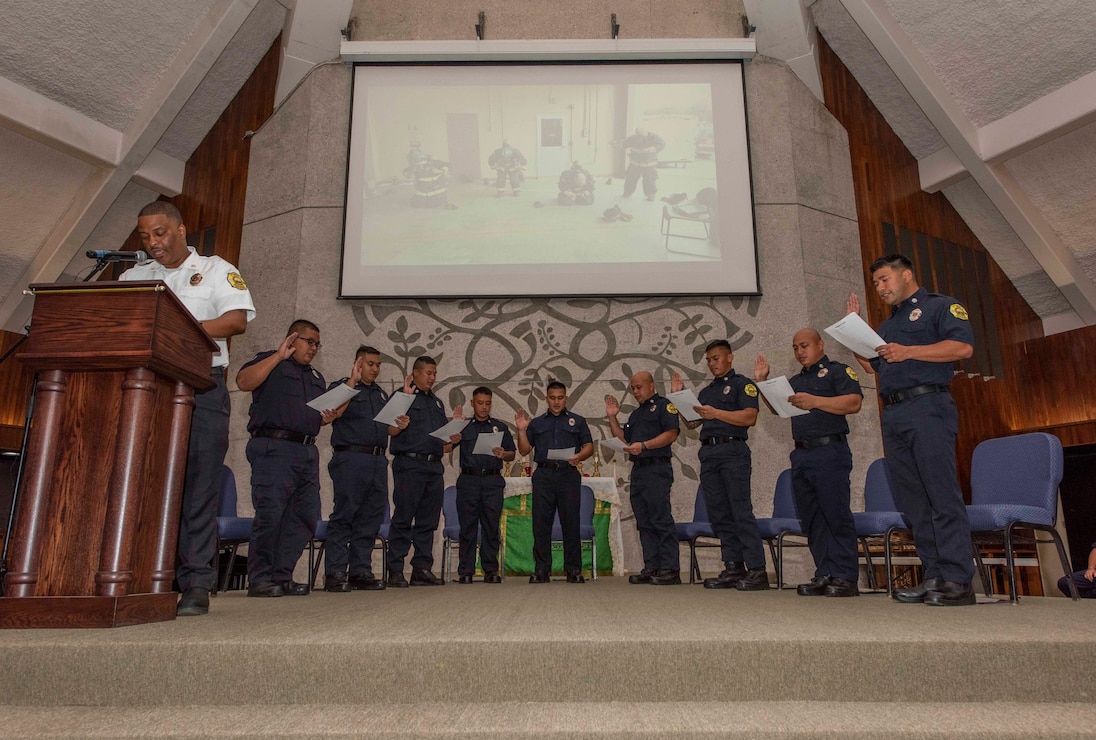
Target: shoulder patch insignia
{"points": [[958, 312], [236, 281], [751, 390], [852, 374], [671, 408], [196, 278]]}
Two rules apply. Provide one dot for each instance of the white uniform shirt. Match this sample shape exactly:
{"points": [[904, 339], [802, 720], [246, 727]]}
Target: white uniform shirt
{"points": [[208, 286]]}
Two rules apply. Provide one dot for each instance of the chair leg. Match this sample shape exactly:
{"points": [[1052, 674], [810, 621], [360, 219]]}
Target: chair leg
{"points": [[316, 567], [779, 561], [593, 558], [384, 558], [1065, 562], [216, 568], [871, 568], [888, 561], [230, 567], [694, 564], [1010, 566], [983, 570]]}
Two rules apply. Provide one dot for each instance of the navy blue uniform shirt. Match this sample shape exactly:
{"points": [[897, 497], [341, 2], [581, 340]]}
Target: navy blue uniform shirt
{"points": [[923, 318], [653, 417], [549, 432], [730, 392], [468, 443], [356, 425], [280, 401], [427, 413], [827, 379]]}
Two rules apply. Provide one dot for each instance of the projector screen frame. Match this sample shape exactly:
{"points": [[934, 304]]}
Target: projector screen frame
{"points": [[518, 54]]}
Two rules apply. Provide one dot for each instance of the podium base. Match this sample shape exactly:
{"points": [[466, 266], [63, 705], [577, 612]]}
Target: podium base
{"points": [[81, 612]]}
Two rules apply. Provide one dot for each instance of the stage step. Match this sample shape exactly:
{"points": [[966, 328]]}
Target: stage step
{"points": [[680, 720]]}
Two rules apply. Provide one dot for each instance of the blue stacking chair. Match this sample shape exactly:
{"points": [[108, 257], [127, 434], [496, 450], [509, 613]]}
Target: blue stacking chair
{"points": [[1014, 486], [697, 533], [783, 523], [586, 532], [320, 538], [880, 519], [232, 530], [450, 532]]}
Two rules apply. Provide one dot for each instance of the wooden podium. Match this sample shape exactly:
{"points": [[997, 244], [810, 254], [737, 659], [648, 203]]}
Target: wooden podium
{"points": [[94, 539]]}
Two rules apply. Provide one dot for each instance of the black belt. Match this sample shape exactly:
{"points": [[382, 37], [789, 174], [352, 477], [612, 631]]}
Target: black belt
{"points": [[807, 444], [914, 392], [553, 465], [217, 372], [304, 439], [359, 448], [721, 440], [639, 462], [481, 471], [419, 456]]}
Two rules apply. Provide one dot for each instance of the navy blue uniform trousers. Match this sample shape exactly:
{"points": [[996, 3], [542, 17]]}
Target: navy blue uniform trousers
{"points": [[725, 471], [559, 489], [820, 485], [285, 491], [360, 481], [650, 498], [479, 508], [919, 442], [417, 490]]}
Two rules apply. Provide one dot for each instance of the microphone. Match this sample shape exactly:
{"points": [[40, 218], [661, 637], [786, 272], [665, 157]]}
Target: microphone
{"points": [[110, 256]]}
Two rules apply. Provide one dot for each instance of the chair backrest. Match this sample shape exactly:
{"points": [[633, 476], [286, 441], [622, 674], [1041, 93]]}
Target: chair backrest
{"points": [[784, 498], [877, 490], [1024, 470], [586, 505], [448, 507], [700, 508], [226, 501]]}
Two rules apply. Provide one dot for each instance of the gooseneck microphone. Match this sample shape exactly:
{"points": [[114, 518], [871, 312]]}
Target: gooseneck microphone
{"points": [[110, 256]]}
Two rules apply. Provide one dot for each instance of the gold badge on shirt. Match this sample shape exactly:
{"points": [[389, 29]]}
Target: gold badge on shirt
{"points": [[196, 278], [751, 390], [236, 281], [958, 312]]}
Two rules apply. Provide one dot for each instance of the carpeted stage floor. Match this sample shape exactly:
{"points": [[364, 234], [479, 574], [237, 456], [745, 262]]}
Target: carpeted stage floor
{"points": [[601, 659]]}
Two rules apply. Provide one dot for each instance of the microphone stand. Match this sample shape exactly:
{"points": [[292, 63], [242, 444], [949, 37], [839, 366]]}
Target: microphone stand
{"points": [[99, 265]]}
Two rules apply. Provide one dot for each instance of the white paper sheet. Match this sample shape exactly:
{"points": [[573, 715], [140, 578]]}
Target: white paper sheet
{"points": [[684, 401], [564, 454], [776, 392], [487, 442], [397, 405], [454, 427], [613, 444], [854, 333], [334, 398]]}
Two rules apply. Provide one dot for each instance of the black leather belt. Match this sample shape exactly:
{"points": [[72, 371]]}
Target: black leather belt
{"points": [[359, 448], [304, 439], [217, 372], [553, 465], [639, 462], [419, 456], [914, 392], [481, 471], [721, 440], [807, 444]]}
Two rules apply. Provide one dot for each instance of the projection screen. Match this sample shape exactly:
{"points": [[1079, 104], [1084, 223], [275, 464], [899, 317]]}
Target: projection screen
{"points": [[531, 179]]}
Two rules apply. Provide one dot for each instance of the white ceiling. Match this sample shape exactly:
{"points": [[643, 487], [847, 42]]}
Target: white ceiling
{"points": [[102, 102]]}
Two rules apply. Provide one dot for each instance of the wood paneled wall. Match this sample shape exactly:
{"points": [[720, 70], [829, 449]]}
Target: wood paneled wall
{"points": [[15, 382], [1045, 385]]}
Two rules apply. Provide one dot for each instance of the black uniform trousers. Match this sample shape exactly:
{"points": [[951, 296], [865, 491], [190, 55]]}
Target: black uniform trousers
{"points": [[285, 491], [417, 490], [205, 458], [360, 482], [650, 498], [1086, 589], [556, 489], [479, 508], [919, 442], [820, 485], [725, 471]]}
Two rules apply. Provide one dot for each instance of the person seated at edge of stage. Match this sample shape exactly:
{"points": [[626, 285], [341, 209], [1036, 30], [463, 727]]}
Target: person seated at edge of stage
{"points": [[285, 464], [557, 484], [1085, 580], [480, 491]]}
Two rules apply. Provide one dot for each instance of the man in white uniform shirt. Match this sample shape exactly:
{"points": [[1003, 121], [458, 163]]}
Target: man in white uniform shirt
{"points": [[217, 297]]}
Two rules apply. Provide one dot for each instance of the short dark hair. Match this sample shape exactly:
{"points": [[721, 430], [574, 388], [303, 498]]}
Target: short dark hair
{"points": [[719, 344], [422, 361], [365, 349], [482, 391], [553, 384], [896, 261], [162, 208], [299, 324]]}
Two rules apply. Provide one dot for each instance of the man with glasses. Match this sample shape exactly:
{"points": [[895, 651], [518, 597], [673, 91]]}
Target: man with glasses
{"points": [[285, 465]]}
